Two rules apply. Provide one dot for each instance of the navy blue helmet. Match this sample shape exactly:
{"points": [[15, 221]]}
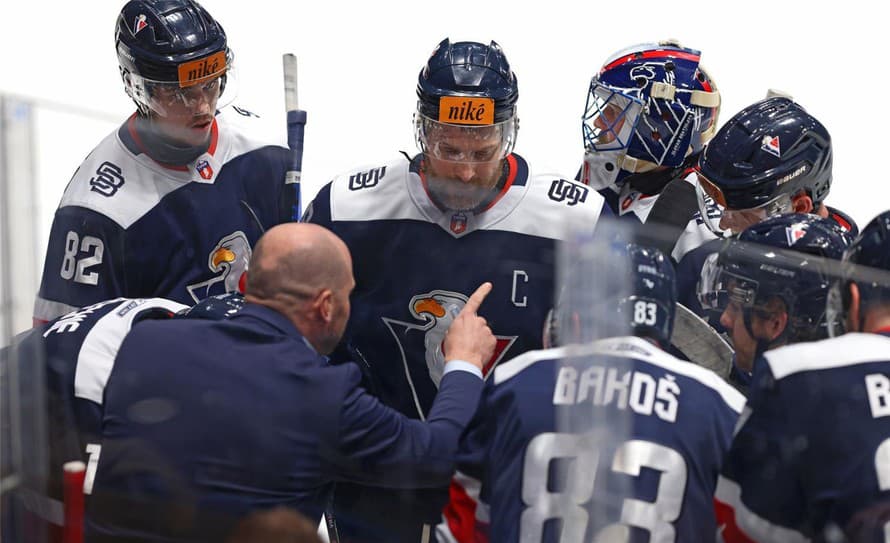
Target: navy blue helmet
{"points": [[650, 105], [221, 306], [467, 70], [171, 43], [785, 256], [471, 85], [866, 263], [626, 289], [764, 155]]}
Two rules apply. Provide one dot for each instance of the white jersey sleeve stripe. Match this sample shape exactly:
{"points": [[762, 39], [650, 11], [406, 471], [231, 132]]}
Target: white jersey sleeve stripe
{"points": [[100, 346], [846, 350]]}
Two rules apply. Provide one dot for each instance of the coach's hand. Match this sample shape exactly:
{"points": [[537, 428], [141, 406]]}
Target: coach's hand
{"points": [[469, 337]]}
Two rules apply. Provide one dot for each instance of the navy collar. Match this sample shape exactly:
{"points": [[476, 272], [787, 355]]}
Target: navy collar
{"points": [[268, 316]]}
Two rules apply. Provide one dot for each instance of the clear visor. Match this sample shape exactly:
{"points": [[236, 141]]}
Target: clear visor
{"points": [[718, 287], [465, 144], [212, 90], [722, 220], [609, 119]]}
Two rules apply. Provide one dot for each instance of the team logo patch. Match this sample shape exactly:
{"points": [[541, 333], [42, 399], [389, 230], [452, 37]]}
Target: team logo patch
{"points": [[562, 190], [108, 180], [458, 223], [204, 169], [228, 262], [139, 24], [434, 312], [770, 144], [795, 232]]}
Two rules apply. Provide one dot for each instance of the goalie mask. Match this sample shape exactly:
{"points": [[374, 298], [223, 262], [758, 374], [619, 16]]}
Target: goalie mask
{"points": [[650, 106]]}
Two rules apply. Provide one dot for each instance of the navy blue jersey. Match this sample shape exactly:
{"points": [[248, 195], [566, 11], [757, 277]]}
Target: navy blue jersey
{"points": [[207, 420], [617, 440], [130, 226], [62, 368], [415, 266], [813, 453]]}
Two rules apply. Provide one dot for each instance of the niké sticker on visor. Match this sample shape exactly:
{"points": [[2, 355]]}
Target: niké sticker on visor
{"points": [[466, 110], [198, 71]]}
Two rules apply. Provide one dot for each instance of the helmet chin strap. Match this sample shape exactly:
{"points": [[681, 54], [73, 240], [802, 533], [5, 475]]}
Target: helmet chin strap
{"points": [[764, 344]]}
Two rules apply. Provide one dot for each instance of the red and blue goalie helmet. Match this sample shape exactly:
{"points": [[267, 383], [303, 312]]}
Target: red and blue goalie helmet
{"points": [[650, 105]]}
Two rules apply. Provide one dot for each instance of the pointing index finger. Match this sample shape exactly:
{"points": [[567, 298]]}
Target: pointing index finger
{"points": [[477, 297]]}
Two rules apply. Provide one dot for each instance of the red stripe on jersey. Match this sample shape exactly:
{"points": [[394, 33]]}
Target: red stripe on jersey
{"points": [[214, 138], [652, 54], [836, 217], [460, 515], [511, 177], [729, 530]]}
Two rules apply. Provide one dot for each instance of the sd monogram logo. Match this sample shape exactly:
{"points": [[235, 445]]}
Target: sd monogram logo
{"points": [[109, 178], [368, 179], [562, 189]]}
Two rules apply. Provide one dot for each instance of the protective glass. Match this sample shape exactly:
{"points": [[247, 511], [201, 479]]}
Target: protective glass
{"points": [[464, 143]]}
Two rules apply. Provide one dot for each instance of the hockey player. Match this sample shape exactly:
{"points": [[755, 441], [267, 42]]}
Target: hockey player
{"points": [[62, 368], [768, 288], [650, 111], [812, 459], [770, 158], [170, 203], [424, 231], [611, 439]]}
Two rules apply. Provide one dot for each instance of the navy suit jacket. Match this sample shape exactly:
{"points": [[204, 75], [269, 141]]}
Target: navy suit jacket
{"points": [[208, 420]]}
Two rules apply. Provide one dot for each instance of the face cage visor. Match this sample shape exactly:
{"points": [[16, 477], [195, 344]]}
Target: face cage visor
{"points": [[466, 144], [721, 220], [609, 119]]}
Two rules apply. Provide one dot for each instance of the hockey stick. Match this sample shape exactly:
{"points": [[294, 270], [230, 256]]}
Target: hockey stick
{"points": [[700, 343], [296, 122]]}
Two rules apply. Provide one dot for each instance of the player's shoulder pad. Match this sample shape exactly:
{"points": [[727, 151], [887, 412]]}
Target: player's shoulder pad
{"points": [[374, 192], [114, 183], [549, 203], [847, 350]]}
